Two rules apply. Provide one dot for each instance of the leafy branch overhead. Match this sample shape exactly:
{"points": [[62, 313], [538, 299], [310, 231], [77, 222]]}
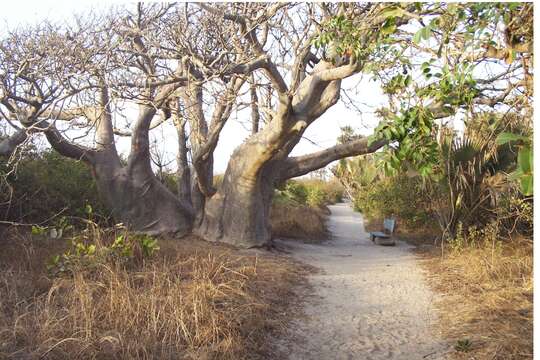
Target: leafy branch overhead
{"points": [[524, 170], [438, 62]]}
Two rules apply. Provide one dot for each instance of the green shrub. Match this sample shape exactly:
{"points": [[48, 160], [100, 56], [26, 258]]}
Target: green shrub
{"points": [[90, 249], [400, 197], [292, 192], [316, 197], [314, 193], [45, 184]]}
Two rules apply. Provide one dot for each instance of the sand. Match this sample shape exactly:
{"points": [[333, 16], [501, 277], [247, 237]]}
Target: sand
{"points": [[368, 302]]}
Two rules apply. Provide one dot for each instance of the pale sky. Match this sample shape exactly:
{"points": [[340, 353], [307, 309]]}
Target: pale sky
{"points": [[321, 134]]}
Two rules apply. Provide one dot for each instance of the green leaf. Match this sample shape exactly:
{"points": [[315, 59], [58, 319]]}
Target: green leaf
{"points": [[417, 37], [426, 32], [392, 11], [389, 27], [515, 175], [526, 182], [525, 160], [91, 249], [507, 137], [372, 139]]}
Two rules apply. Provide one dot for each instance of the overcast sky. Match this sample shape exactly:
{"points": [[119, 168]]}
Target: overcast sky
{"points": [[321, 134]]}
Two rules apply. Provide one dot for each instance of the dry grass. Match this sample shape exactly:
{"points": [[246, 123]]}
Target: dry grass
{"points": [[191, 301], [298, 222], [416, 236], [487, 299]]}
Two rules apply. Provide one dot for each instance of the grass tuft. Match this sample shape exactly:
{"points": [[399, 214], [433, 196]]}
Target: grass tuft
{"points": [[191, 300], [298, 222], [487, 299]]}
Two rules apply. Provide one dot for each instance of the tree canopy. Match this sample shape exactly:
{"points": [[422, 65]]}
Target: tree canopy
{"points": [[136, 68]]}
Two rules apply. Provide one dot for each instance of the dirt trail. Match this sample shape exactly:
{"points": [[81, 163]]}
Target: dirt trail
{"points": [[371, 302]]}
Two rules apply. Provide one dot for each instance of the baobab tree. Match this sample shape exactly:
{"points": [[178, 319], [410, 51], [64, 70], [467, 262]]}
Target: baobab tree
{"points": [[194, 64]]}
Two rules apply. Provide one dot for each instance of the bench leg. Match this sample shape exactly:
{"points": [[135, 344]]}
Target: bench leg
{"points": [[372, 237]]}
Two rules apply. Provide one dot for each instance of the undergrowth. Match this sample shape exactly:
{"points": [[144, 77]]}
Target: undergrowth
{"points": [[186, 300], [487, 296]]}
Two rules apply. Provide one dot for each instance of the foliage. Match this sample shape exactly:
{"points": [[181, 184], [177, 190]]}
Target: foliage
{"points": [[467, 187], [412, 130], [314, 193], [294, 191], [45, 184], [463, 345], [400, 197], [431, 72], [524, 171], [91, 248], [474, 237]]}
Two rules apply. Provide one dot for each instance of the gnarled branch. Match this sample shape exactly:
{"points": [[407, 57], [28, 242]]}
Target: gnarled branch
{"points": [[301, 165]]}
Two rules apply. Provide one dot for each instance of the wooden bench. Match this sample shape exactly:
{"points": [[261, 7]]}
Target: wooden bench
{"points": [[384, 237]]}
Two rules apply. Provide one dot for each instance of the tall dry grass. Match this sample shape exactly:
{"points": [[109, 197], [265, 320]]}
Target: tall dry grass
{"points": [[487, 300], [191, 301], [298, 222]]}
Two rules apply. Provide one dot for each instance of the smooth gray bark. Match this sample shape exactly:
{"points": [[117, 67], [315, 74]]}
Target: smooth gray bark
{"points": [[239, 213], [9, 144], [183, 171]]}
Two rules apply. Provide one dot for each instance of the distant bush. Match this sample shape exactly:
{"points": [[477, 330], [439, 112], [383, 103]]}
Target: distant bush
{"points": [[314, 193], [399, 197], [45, 183]]}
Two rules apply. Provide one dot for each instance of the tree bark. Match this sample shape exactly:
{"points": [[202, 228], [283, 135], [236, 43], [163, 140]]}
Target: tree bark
{"points": [[255, 116], [183, 172], [239, 213], [9, 144], [192, 99], [133, 192], [140, 201]]}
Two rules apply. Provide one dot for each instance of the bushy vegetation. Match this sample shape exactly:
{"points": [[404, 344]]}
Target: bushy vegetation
{"points": [[44, 185], [467, 187], [395, 197], [309, 192]]}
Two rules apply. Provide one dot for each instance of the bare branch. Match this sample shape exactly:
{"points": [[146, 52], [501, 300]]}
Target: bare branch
{"points": [[301, 165]]}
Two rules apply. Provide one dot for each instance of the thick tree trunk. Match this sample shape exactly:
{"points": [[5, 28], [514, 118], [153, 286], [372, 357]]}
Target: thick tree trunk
{"points": [[133, 192], [140, 201], [238, 213]]}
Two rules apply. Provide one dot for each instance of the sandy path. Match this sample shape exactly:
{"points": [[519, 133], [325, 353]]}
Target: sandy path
{"points": [[371, 302]]}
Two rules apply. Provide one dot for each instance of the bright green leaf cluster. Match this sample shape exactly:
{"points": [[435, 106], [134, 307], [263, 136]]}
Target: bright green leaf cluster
{"points": [[524, 170]]}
